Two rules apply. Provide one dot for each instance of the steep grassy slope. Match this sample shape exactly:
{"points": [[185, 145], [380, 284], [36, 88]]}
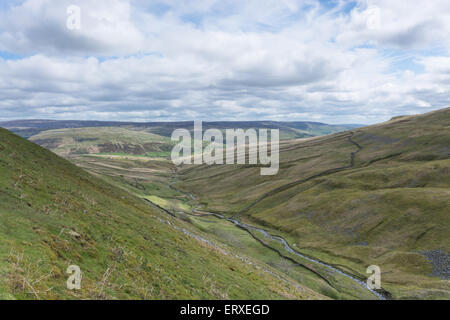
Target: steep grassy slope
{"points": [[376, 195], [53, 214]]}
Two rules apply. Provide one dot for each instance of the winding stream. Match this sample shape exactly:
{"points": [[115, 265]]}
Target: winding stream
{"points": [[294, 252], [281, 240]]}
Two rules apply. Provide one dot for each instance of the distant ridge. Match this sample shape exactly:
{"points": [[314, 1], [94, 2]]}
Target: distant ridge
{"points": [[291, 130]]}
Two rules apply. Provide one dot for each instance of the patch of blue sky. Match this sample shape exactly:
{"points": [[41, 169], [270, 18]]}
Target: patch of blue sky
{"points": [[261, 27], [344, 7], [348, 7], [5, 55], [128, 56], [6, 4], [402, 60], [407, 63], [154, 7], [216, 12], [434, 52], [195, 18], [328, 4]]}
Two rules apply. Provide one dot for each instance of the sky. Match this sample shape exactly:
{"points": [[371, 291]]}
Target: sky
{"points": [[339, 62]]}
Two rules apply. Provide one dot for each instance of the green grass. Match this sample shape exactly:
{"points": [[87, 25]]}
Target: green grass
{"points": [[170, 204], [54, 214], [386, 209], [161, 154], [103, 140], [224, 232]]}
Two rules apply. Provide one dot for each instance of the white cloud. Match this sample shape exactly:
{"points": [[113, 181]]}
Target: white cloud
{"points": [[282, 60], [39, 26], [400, 24]]}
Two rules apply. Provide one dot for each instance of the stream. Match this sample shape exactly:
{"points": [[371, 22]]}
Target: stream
{"points": [[285, 244]]}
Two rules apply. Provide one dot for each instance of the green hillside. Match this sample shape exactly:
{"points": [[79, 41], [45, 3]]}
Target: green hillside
{"points": [[53, 214], [139, 139], [152, 180], [288, 130], [102, 140], [376, 195]]}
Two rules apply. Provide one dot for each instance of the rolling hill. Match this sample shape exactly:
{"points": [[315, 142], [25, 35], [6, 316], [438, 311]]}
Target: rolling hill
{"points": [[103, 140], [288, 130], [53, 215], [378, 195], [67, 138]]}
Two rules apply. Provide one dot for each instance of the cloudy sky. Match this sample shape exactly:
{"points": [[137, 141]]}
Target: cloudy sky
{"points": [[158, 60]]}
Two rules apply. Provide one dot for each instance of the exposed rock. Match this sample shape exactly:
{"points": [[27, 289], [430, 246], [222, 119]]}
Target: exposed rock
{"points": [[440, 261]]}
